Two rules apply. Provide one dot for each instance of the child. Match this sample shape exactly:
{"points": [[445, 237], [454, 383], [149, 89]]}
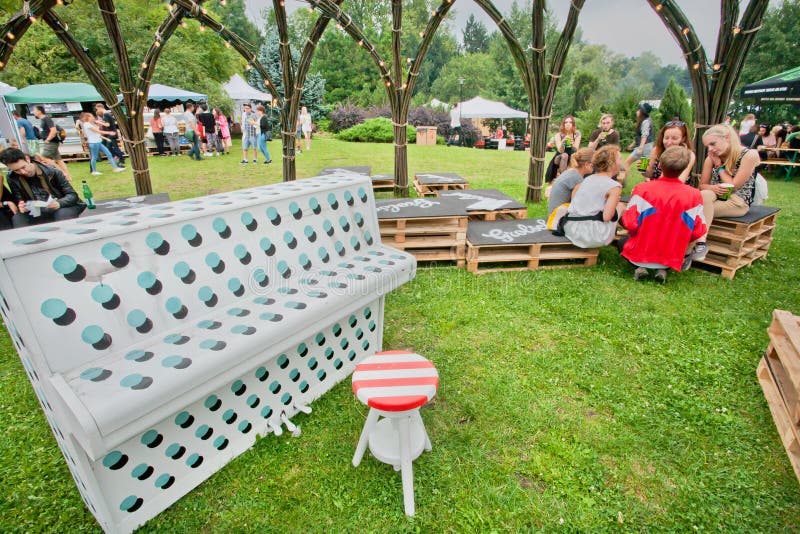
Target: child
{"points": [[663, 218]]}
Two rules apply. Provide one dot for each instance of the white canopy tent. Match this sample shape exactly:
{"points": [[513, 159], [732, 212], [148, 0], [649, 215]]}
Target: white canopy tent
{"points": [[480, 108], [242, 93]]}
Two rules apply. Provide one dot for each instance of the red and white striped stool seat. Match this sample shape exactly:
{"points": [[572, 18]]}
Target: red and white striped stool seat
{"points": [[395, 381]]}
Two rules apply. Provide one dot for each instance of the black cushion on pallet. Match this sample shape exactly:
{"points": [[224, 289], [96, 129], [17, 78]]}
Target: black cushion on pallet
{"points": [[471, 196], [756, 213], [511, 232], [436, 178], [412, 208]]}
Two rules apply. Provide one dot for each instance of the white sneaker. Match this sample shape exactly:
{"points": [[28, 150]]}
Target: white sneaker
{"points": [[119, 169], [96, 173]]}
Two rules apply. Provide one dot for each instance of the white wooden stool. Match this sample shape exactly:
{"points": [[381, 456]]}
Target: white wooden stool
{"points": [[395, 384]]}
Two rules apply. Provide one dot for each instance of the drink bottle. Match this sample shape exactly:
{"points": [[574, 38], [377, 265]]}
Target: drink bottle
{"points": [[87, 195]]}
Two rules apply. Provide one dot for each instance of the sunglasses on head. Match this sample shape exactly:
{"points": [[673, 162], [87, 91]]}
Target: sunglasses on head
{"points": [[675, 123]]}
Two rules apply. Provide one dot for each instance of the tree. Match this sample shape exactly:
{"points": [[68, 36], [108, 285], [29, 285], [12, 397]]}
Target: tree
{"points": [[314, 88], [475, 36], [233, 15], [675, 103], [584, 84], [776, 49]]}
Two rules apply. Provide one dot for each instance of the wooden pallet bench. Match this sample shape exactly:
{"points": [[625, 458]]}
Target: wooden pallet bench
{"points": [[488, 204], [382, 182], [736, 242], [518, 245], [429, 184], [430, 229], [779, 376], [366, 171]]}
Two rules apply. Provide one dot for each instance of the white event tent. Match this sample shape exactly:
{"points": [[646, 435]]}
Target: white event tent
{"points": [[242, 93], [480, 108]]}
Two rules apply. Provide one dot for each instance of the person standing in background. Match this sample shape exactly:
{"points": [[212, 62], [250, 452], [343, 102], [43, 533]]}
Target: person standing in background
{"points": [[265, 129], [455, 126], [209, 127], [30, 145], [249, 133], [192, 133], [224, 131], [171, 132], [50, 140], [157, 127], [306, 126], [107, 124]]}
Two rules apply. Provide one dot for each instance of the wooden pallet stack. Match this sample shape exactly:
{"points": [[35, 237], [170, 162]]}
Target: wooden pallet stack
{"points": [[429, 184], [430, 229], [520, 245], [779, 376], [382, 182], [734, 243]]}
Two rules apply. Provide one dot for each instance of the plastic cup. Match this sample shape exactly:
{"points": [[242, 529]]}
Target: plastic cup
{"points": [[643, 163], [727, 194], [35, 207]]}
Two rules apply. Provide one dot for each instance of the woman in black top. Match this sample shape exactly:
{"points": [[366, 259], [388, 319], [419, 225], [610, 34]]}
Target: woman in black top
{"points": [[265, 129]]}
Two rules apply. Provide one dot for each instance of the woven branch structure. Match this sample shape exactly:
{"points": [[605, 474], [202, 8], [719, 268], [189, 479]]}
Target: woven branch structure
{"points": [[712, 87]]}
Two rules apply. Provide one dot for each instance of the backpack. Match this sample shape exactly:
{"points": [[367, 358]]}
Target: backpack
{"points": [[61, 134], [37, 133]]}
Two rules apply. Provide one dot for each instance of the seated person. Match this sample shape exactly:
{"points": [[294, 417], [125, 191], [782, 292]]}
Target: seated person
{"points": [[34, 181], [498, 134], [752, 139], [728, 180], [563, 186], [8, 205], [591, 219], [664, 218], [674, 133], [605, 134], [567, 141]]}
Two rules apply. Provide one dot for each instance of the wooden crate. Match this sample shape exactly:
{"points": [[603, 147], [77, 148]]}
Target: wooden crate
{"points": [[779, 376], [734, 243], [499, 214], [519, 245], [428, 238], [429, 184], [428, 190]]}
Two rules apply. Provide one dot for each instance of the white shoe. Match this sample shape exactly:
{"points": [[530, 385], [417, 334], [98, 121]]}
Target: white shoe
{"points": [[97, 173], [119, 169]]}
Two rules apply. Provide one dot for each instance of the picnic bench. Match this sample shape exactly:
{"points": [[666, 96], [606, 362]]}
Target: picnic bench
{"points": [[162, 340], [790, 163]]}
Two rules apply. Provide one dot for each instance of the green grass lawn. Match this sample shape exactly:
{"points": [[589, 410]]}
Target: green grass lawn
{"points": [[570, 399]]}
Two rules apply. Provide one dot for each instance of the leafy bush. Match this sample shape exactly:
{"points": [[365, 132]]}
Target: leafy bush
{"points": [[378, 130], [379, 111], [346, 116]]}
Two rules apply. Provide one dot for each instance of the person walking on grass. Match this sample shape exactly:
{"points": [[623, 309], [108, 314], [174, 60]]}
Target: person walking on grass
{"points": [[94, 138], [306, 126], [192, 133], [249, 133], [171, 132], [264, 128], [108, 125], [30, 145], [50, 140]]}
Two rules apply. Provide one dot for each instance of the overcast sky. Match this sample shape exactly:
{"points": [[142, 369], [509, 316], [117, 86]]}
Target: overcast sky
{"points": [[625, 26]]}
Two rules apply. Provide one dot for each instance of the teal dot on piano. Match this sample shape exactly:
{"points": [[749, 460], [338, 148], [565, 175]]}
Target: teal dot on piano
{"points": [[54, 308], [173, 305], [219, 225], [92, 334], [64, 264], [188, 232], [111, 251], [146, 280]]}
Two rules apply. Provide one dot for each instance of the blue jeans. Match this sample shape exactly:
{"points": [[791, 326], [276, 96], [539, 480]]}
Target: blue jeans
{"points": [[94, 151], [194, 152], [262, 146]]}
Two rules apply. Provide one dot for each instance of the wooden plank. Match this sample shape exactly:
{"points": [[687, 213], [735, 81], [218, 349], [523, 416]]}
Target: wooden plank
{"points": [[779, 416], [533, 255]]}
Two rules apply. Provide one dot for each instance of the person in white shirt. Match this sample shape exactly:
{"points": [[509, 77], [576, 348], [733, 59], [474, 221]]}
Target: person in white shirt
{"points": [[171, 132], [94, 139], [455, 126]]}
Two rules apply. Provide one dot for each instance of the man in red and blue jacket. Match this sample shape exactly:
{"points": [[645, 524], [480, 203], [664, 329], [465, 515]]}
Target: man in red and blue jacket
{"points": [[662, 218]]}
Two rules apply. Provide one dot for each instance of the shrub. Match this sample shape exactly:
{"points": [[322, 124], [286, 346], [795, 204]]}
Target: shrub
{"points": [[378, 130], [345, 116]]}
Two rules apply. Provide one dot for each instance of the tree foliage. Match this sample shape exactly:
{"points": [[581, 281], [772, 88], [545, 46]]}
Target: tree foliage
{"points": [[675, 103], [313, 96], [475, 36], [192, 60]]}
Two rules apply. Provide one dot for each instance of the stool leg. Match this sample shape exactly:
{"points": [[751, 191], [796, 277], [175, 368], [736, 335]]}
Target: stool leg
{"points": [[407, 471], [418, 417], [372, 418]]}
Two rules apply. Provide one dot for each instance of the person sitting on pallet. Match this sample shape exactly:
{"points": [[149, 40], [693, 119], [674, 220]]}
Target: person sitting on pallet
{"points": [[560, 192], [591, 219], [664, 218]]}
